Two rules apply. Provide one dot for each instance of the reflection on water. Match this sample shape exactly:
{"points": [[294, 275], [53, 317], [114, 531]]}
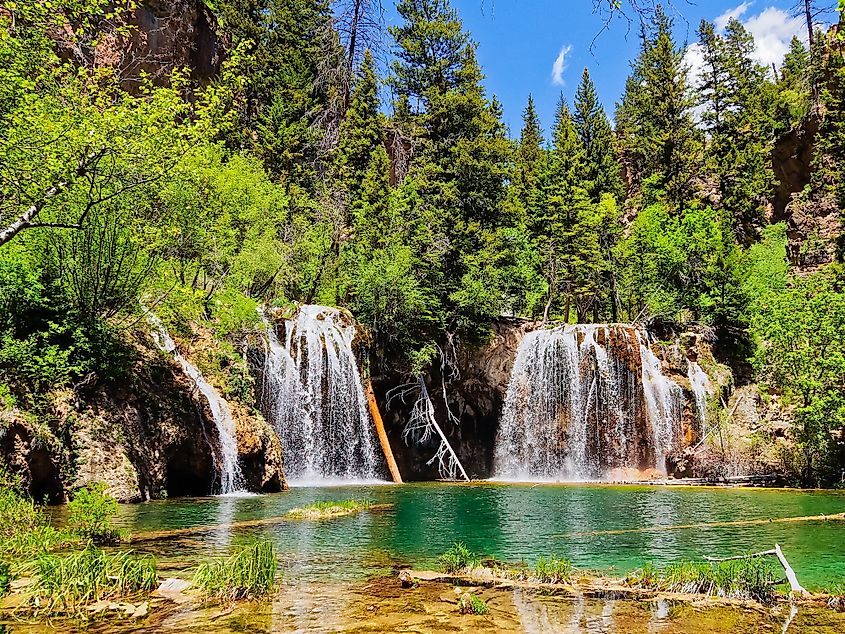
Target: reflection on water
{"points": [[510, 522]]}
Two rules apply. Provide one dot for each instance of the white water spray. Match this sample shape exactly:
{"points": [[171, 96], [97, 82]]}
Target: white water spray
{"points": [[702, 388], [583, 400], [313, 395], [227, 466]]}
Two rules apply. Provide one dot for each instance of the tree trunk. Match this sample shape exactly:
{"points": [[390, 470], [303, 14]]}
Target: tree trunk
{"points": [[382, 434]]}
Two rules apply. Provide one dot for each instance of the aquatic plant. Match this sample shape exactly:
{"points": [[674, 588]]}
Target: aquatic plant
{"points": [[318, 510], [458, 559], [69, 583], [249, 573], [552, 570], [471, 604], [748, 578], [90, 515]]}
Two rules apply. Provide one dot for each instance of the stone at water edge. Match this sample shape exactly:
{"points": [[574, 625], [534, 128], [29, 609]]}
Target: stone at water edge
{"points": [[407, 579]]}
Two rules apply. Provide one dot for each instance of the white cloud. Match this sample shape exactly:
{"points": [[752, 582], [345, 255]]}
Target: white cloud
{"points": [[732, 14], [772, 29], [560, 65]]}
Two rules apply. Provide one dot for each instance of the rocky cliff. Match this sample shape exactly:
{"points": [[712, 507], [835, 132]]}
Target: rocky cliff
{"points": [[148, 436]]}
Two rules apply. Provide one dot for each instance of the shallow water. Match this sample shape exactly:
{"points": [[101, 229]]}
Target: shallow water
{"points": [[507, 521]]}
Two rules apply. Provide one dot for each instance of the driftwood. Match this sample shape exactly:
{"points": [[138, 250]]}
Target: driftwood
{"points": [[382, 434], [797, 588], [676, 527]]}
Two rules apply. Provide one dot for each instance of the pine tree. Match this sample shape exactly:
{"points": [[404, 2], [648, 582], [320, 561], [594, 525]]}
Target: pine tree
{"points": [[659, 139], [737, 116], [361, 131], [529, 163], [566, 236], [431, 44], [460, 163], [288, 44], [373, 222], [601, 169]]}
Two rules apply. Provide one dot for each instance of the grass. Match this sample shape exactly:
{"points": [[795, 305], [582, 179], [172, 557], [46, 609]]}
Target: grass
{"points": [[249, 573], [471, 604], [320, 510], [552, 570], [458, 559], [69, 583], [751, 578], [836, 601]]}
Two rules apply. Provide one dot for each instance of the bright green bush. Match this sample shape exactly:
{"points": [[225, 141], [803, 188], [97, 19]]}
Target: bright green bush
{"points": [[472, 604], [90, 515]]}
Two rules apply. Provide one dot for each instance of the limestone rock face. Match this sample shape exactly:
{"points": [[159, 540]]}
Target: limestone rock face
{"points": [[147, 437]]}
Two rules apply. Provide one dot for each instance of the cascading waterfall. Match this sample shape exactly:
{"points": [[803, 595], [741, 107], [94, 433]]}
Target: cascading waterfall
{"points": [[701, 389], [226, 463], [314, 397], [583, 400]]}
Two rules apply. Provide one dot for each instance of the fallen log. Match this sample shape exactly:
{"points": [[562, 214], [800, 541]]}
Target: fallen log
{"points": [[796, 588], [382, 434]]}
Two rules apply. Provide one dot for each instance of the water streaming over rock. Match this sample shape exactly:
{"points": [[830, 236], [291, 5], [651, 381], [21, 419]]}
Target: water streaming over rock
{"points": [[584, 400], [228, 469], [701, 389], [313, 396]]}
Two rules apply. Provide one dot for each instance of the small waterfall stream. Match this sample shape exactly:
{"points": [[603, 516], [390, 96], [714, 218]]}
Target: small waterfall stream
{"points": [[584, 400], [227, 466], [314, 397], [702, 388]]}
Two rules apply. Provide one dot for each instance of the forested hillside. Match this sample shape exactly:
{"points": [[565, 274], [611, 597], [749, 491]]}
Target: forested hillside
{"points": [[283, 161]]}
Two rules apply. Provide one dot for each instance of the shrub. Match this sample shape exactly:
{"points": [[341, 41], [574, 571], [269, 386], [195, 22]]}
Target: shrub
{"points": [[471, 604], [68, 583], [458, 559], [90, 515], [249, 573]]}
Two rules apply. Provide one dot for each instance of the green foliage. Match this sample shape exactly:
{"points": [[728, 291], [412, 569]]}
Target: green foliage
{"points": [[552, 570], [318, 510], [802, 338], [469, 603], [69, 583], [249, 573], [458, 559], [751, 578], [658, 138], [90, 515], [736, 115]]}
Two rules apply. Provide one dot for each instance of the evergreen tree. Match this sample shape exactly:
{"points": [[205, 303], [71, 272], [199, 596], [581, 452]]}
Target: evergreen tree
{"points": [[601, 169], [565, 229], [361, 131], [736, 115], [659, 139], [431, 44], [287, 46], [371, 215], [529, 161]]}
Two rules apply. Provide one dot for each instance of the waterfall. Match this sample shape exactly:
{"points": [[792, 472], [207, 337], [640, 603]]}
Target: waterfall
{"points": [[226, 463], [313, 395], [701, 389], [583, 400]]}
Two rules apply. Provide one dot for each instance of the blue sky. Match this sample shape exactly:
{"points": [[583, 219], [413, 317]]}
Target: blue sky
{"points": [[520, 41]]}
